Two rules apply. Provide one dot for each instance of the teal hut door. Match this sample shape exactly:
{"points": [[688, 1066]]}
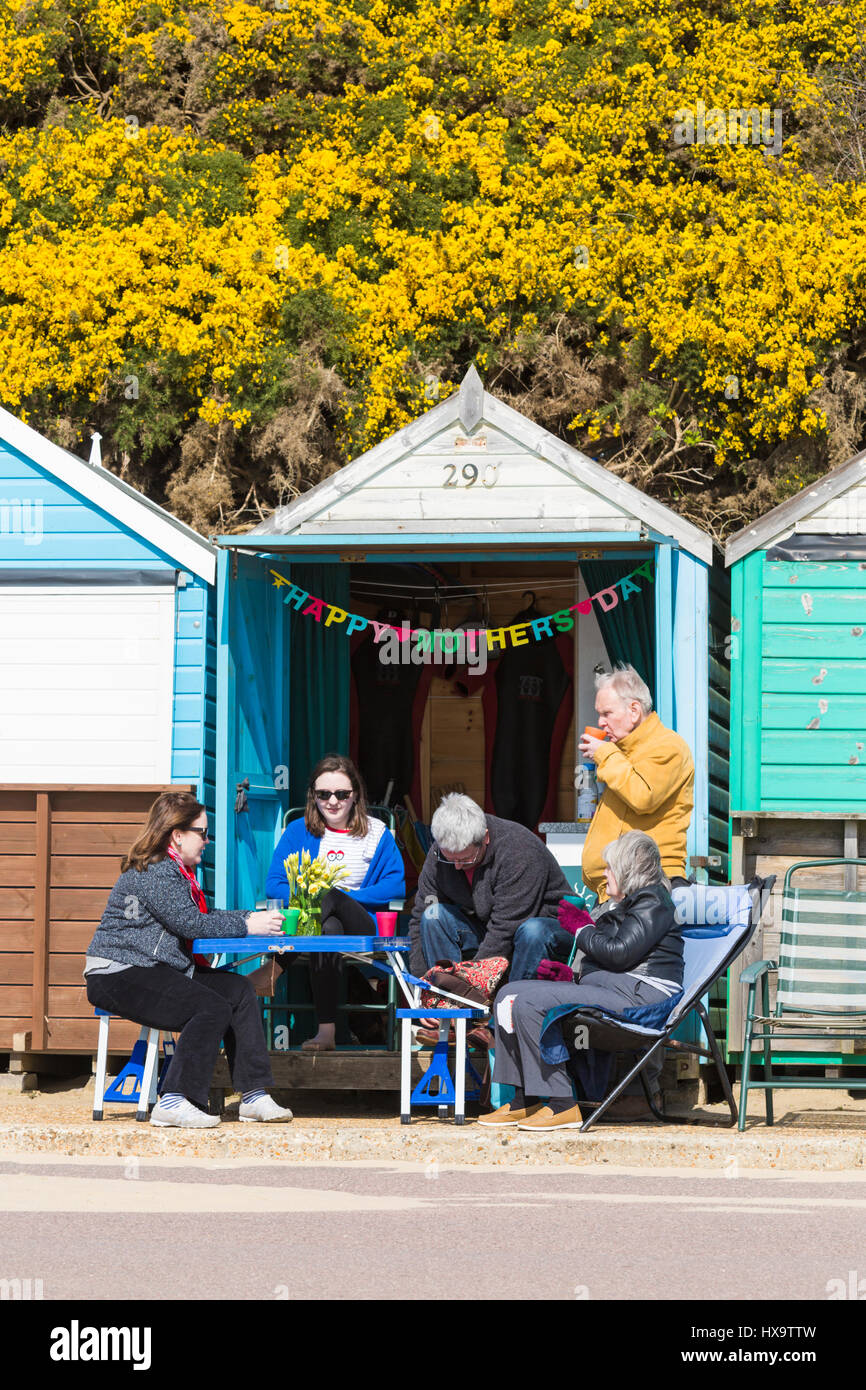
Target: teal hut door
{"points": [[252, 725]]}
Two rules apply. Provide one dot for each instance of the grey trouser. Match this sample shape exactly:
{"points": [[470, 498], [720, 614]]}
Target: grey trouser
{"points": [[518, 1060]]}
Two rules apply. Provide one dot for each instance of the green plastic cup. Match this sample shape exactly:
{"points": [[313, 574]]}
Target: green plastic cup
{"points": [[290, 920]]}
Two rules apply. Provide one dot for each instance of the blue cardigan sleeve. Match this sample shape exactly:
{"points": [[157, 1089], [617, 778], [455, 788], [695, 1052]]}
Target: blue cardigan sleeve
{"points": [[385, 878], [292, 840]]}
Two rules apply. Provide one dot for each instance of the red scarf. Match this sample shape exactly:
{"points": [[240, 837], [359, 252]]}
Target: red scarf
{"points": [[197, 895]]}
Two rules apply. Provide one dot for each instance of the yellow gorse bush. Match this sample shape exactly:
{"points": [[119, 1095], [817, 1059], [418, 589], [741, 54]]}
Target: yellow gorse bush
{"points": [[400, 187]]}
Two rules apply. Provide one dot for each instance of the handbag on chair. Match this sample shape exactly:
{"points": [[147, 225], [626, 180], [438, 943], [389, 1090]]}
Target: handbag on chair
{"points": [[476, 981]]}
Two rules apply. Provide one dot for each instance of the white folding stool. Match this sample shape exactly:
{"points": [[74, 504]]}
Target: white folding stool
{"points": [[141, 1069]]}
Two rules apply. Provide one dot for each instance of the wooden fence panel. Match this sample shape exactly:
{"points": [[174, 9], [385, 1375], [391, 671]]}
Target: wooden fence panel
{"points": [[18, 869], [61, 853]]}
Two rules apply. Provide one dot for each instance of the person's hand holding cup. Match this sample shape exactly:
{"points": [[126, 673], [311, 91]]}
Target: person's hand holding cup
{"points": [[268, 922], [590, 741]]}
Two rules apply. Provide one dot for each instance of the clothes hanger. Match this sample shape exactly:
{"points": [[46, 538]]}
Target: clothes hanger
{"points": [[527, 614]]}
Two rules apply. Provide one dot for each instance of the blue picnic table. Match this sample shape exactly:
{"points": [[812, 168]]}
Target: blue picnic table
{"points": [[395, 948]]}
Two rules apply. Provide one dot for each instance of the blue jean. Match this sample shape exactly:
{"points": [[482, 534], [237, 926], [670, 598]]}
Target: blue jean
{"points": [[446, 934]]}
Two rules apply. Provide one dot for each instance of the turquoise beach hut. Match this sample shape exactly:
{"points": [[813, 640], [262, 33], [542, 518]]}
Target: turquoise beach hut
{"points": [[459, 517]]}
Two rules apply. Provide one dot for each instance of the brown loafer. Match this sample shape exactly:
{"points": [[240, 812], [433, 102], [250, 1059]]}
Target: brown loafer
{"points": [[430, 1036], [504, 1116], [544, 1119]]}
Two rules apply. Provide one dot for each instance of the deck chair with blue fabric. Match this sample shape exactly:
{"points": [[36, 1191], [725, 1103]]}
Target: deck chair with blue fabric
{"points": [[717, 923]]}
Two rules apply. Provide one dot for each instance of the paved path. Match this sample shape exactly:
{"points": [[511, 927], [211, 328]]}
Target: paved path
{"points": [[141, 1228]]}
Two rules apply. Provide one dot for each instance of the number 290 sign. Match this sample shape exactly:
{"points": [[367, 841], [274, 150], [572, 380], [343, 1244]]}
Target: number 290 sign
{"points": [[469, 473]]}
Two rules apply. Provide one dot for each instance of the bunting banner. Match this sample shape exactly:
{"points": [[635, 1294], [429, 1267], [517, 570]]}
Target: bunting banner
{"points": [[519, 635]]}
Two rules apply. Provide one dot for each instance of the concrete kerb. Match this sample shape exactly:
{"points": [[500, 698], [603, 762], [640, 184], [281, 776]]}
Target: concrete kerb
{"points": [[688, 1147]]}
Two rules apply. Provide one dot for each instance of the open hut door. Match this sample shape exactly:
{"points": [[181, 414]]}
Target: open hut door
{"points": [[252, 725]]}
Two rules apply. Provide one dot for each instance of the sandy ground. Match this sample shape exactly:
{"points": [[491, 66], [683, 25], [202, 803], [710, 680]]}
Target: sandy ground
{"points": [[814, 1131]]}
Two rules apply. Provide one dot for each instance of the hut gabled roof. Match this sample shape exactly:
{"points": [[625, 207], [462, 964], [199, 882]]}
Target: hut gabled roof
{"points": [[835, 506], [125, 504], [526, 481]]}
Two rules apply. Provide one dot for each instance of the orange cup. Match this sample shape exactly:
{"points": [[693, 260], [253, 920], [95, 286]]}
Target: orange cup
{"points": [[595, 733]]}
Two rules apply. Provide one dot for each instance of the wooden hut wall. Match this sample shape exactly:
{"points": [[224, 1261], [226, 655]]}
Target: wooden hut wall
{"points": [[61, 854]]}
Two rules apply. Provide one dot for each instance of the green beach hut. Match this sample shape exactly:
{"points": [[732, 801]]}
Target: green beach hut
{"points": [[798, 696]]}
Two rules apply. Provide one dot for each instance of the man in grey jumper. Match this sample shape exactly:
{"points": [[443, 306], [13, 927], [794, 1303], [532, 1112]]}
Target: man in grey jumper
{"points": [[488, 887]]}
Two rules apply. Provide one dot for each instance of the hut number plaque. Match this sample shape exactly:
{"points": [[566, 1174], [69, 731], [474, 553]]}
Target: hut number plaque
{"points": [[470, 473]]}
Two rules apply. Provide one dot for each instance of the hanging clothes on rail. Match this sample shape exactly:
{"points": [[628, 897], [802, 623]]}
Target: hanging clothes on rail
{"points": [[387, 709], [527, 711]]}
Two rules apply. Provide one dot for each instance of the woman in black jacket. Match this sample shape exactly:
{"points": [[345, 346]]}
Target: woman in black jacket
{"points": [[632, 958], [139, 965]]}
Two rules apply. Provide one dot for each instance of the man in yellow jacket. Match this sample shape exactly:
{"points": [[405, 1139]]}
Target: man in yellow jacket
{"points": [[649, 779], [648, 775]]}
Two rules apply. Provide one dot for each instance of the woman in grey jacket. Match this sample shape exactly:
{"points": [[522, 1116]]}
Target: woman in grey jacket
{"points": [[632, 958], [140, 965]]}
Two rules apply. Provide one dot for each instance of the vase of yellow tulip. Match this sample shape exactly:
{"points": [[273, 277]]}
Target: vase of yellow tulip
{"points": [[309, 880]]}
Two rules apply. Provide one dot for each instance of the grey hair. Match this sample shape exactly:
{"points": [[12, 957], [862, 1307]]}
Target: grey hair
{"points": [[635, 861], [627, 684], [458, 822]]}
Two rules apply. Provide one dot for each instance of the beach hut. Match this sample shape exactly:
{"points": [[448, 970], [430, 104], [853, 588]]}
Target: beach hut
{"points": [[470, 519], [107, 696], [798, 696]]}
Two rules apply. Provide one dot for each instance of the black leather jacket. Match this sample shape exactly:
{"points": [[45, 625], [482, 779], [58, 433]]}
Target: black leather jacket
{"points": [[638, 934]]}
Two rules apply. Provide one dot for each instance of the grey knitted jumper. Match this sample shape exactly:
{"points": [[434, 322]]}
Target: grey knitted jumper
{"points": [[150, 916]]}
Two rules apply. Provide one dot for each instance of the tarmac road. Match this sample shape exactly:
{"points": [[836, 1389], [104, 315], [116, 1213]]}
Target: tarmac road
{"points": [[140, 1228]]}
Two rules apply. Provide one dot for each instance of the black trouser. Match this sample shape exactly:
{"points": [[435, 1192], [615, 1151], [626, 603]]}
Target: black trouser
{"points": [[341, 916], [211, 1006]]}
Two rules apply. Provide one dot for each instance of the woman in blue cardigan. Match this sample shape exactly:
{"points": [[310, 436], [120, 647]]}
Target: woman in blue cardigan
{"points": [[337, 827]]}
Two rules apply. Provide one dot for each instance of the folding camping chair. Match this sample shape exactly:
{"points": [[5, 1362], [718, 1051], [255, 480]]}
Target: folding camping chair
{"points": [[821, 979], [718, 923]]}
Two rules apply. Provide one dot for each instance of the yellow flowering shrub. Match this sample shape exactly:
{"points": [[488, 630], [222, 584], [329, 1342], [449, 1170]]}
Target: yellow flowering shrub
{"points": [[249, 241]]}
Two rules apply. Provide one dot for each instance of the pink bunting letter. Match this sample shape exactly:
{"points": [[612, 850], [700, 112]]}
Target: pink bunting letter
{"points": [[600, 597], [316, 609]]}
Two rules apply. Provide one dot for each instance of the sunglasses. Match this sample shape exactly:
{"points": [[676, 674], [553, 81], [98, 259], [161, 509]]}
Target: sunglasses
{"points": [[329, 796], [205, 834], [459, 863]]}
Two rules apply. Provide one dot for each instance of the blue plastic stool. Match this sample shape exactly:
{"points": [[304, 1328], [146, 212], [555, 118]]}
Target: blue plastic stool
{"points": [[140, 1070], [448, 1092]]}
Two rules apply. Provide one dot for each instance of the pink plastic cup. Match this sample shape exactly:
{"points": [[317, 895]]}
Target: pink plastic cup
{"points": [[386, 923]]}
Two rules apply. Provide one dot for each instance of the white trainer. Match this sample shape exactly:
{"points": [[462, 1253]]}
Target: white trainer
{"points": [[186, 1116], [265, 1108]]}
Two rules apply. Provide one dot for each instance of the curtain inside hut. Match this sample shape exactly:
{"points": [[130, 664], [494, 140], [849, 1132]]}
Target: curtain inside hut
{"points": [[318, 678], [628, 631]]}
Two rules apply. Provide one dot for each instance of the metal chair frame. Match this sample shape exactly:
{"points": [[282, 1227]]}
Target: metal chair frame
{"points": [[764, 1027], [759, 891]]}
